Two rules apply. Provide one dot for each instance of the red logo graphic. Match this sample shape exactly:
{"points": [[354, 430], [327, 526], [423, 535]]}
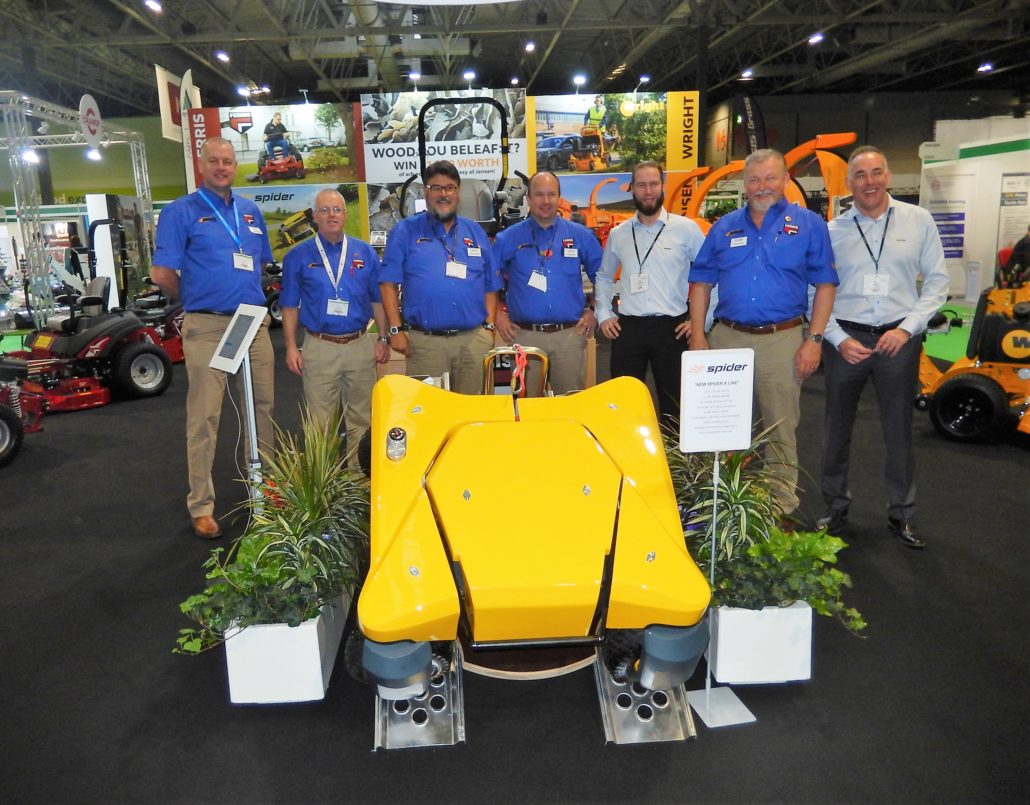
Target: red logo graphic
{"points": [[241, 121], [91, 120]]}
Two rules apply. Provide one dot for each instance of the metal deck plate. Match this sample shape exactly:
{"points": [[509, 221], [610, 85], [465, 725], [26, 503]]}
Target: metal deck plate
{"points": [[633, 715], [435, 718]]}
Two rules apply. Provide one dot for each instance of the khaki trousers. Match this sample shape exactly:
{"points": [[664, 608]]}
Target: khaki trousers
{"points": [[778, 395], [201, 333], [461, 355], [567, 354], [339, 378]]}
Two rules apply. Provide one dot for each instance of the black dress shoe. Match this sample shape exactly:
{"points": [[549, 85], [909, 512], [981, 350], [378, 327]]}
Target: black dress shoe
{"points": [[905, 533], [834, 521]]}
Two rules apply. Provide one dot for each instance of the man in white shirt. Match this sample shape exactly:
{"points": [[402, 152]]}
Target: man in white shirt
{"points": [[881, 246], [654, 250]]}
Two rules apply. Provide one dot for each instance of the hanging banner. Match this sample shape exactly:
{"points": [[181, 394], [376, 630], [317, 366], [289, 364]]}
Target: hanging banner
{"points": [[168, 88], [683, 132], [747, 110], [467, 134], [89, 121]]}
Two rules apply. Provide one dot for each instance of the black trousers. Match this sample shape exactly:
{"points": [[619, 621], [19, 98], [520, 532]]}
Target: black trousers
{"points": [[895, 380], [652, 340]]}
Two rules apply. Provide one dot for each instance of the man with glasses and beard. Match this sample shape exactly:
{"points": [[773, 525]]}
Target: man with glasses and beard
{"points": [[654, 250], [331, 288], [444, 263], [763, 258]]}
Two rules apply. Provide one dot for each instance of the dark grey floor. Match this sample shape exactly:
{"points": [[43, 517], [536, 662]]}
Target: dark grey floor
{"points": [[932, 706]]}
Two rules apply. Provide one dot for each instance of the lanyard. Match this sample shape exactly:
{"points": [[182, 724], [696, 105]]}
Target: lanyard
{"points": [[545, 254], [234, 235], [879, 254], [339, 268], [454, 241], [640, 263]]}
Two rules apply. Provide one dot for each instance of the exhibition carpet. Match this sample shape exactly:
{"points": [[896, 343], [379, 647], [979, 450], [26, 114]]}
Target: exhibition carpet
{"points": [[930, 706]]}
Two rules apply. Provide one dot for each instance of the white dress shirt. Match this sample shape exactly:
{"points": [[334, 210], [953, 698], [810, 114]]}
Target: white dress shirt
{"points": [[666, 250], [912, 249]]}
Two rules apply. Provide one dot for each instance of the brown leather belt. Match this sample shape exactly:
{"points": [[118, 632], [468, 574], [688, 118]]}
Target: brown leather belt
{"points": [[764, 329], [546, 328], [346, 338]]}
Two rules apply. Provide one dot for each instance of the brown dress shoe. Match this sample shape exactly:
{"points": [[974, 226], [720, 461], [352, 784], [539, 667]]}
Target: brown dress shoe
{"points": [[206, 527]]}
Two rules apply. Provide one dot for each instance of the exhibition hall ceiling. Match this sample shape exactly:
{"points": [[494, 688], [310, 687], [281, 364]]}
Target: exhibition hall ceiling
{"points": [[335, 50]]}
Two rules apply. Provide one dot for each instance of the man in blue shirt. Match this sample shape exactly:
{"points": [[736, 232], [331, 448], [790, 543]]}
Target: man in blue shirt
{"points": [[450, 287], [331, 288], [763, 258], [542, 260], [651, 253], [882, 247], [211, 247]]}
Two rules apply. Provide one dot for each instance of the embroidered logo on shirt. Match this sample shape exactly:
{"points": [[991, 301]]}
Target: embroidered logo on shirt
{"points": [[248, 218], [568, 243], [469, 243], [790, 229], [357, 264]]}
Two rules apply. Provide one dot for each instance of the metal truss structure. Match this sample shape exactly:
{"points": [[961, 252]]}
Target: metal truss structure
{"points": [[336, 49], [22, 118]]}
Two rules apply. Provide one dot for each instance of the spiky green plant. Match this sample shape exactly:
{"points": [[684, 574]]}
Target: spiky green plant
{"points": [[307, 540]]}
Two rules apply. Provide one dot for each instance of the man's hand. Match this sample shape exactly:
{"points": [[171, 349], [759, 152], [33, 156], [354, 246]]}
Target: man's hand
{"points": [[892, 341], [508, 332], [610, 327], [683, 330], [294, 360], [382, 351], [587, 323], [399, 343], [806, 360], [852, 351]]}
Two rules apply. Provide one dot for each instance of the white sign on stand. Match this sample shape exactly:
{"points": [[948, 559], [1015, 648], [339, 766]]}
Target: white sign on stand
{"points": [[716, 394]]}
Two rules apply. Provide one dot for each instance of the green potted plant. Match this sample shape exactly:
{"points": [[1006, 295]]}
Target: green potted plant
{"points": [[278, 598], [766, 581]]}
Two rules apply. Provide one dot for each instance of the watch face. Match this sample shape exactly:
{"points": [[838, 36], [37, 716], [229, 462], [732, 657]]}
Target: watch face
{"points": [[394, 330], [816, 338]]}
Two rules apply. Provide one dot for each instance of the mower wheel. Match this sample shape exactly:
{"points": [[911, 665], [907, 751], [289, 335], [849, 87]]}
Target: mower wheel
{"points": [[354, 643], [969, 408], [301, 173], [262, 178], [142, 370], [274, 310], [11, 434], [620, 652]]}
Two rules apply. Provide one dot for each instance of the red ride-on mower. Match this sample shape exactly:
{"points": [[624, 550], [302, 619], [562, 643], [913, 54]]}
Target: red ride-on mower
{"points": [[282, 164]]}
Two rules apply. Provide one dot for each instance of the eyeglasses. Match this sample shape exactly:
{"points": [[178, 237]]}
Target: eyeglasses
{"points": [[327, 210], [442, 188]]}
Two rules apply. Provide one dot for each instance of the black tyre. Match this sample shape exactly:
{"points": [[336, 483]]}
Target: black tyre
{"points": [[352, 648], [301, 173], [141, 370], [274, 310], [11, 435], [621, 652], [262, 178], [553, 163], [365, 453], [969, 408]]}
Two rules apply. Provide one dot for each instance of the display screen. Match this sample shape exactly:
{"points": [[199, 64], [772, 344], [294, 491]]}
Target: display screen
{"points": [[240, 325]]}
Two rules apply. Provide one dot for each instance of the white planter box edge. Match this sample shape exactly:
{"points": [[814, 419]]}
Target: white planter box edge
{"points": [[761, 646]]}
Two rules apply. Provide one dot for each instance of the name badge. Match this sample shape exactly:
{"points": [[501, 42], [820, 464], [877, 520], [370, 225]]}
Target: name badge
{"points": [[741, 241], [573, 252], [474, 251], [244, 262], [876, 285], [638, 283], [337, 307], [456, 270], [255, 229], [538, 280]]}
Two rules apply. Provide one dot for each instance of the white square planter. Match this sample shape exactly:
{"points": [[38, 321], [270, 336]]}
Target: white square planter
{"points": [[276, 662], [758, 646]]}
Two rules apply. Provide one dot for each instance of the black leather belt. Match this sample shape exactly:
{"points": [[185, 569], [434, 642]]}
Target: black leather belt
{"points": [[417, 329], [763, 329], [213, 312], [872, 329], [546, 328]]}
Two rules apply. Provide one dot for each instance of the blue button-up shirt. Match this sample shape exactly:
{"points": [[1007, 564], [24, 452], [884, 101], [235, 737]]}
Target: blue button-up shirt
{"points": [[307, 284], [417, 251], [559, 254], [666, 249], [912, 249], [763, 273], [191, 240]]}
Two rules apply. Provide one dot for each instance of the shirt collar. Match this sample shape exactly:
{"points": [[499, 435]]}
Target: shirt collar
{"points": [[853, 211], [663, 217]]}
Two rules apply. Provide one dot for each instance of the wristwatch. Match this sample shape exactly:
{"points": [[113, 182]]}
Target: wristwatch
{"points": [[489, 326], [392, 331], [384, 339], [815, 338]]}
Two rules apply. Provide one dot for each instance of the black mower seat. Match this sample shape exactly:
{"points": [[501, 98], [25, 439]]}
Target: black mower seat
{"points": [[116, 322], [13, 369]]}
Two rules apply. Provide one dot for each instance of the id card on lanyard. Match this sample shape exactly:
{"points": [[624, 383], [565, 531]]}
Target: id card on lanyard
{"points": [[240, 259], [335, 306]]}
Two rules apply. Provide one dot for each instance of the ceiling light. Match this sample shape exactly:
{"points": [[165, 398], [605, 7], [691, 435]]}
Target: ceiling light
{"points": [[748, 74], [416, 36], [29, 155], [93, 154], [154, 6], [243, 91], [265, 89], [468, 75], [44, 127], [515, 81], [986, 67], [815, 38], [414, 75], [530, 47], [222, 56]]}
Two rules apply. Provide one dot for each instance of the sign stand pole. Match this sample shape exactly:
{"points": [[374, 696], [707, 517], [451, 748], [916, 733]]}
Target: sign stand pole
{"points": [[250, 420]]}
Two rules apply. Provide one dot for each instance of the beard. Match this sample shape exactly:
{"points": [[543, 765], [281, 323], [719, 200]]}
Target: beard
{"points": [[649, 209], [442, 217]]}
